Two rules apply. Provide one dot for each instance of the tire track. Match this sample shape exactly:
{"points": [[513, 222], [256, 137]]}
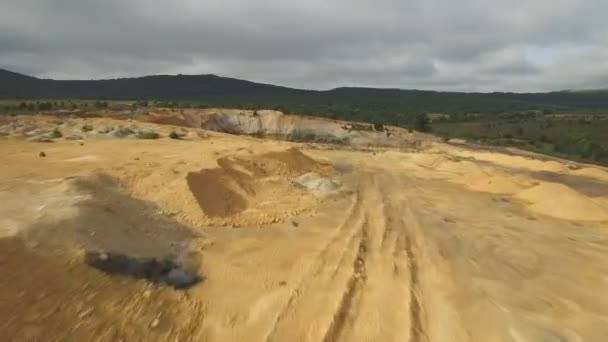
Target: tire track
{"points": [[388, 226], [354, 286], [368, 300], [404, 250], [327, 267], [416, 329]]}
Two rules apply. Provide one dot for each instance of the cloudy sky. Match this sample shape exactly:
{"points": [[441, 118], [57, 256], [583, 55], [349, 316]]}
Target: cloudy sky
{"points": [[465, 45]]}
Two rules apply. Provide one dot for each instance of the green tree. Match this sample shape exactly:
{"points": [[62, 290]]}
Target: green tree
{"points": [[101, 104], [45, 106], [422, 123]]}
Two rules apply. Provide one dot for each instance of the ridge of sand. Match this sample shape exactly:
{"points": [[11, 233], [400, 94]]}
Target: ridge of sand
{"points": [[560, 201]]}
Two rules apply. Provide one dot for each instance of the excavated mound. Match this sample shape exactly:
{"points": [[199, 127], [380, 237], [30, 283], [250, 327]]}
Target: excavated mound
{"points": [[289, 163], [242, 184], [222, 191]]}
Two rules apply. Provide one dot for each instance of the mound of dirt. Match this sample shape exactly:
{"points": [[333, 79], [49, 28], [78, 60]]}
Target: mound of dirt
{"points": [[560, 201], [240, 183], [291, 163], [222, 191]]}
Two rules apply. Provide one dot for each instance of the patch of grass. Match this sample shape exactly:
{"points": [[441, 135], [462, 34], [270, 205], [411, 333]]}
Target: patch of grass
{"points": [[174, 135], [87, 128]]}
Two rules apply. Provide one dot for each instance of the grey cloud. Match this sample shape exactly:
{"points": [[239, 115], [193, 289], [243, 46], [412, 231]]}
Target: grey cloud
{"points": [[472, 45]]}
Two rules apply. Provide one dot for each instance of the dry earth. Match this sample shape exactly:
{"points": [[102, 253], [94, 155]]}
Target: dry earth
{"points": [[430, 243]]}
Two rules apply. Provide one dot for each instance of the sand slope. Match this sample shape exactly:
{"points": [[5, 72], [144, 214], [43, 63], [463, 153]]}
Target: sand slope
{"points": [[560, 201]]}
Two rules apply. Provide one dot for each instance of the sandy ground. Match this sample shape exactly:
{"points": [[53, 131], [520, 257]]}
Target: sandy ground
{"points": [[440, 244]]}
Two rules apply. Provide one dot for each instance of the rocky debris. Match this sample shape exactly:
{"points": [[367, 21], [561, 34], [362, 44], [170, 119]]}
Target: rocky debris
{"points": [[105, 130], [181, 278], [87, 128], [42, 154], [155, 322], [42, 139], [74, 137], [157, 271], [457, 141], [317, 184], [7, 129], [123, 132]]}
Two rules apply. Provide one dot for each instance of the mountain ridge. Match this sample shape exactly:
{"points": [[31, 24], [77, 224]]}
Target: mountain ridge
{"points": [[390, 104]]}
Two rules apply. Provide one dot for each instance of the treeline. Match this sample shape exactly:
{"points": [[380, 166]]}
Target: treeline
{"points": [[581, 137], [390, 106], [37, 105]]}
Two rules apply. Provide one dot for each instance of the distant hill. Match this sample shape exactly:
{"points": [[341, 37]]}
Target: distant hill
{"points": [[390, 105], [160, 86]]}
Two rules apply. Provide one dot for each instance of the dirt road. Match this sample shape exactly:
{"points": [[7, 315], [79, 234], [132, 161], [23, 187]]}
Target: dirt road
{"points": [[442, 244], [424, 261]]}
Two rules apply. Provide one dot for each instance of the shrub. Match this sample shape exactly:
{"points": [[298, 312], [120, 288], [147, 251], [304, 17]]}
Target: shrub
{"points": [[101, 104], [421, 123], [56, 133], [87, 128], [45, 106], [147, 135], [173, 135], [378, 125]]}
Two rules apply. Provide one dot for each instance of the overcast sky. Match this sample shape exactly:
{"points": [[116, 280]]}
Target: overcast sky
{"points": [[465, 45]]}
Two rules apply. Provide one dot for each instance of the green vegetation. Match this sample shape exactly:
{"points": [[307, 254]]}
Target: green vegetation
{"points": [[101, 104], [147, 134], [581, 137], [174, 135], [55, 134], [87, 128], [42, 106], [422, 123]]}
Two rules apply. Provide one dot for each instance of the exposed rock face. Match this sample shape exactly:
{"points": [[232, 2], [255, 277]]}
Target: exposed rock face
{"points": [[276, 124], [123, 132], [317, 184]]}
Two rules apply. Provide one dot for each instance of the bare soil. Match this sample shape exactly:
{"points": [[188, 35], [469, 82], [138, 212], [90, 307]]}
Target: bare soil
{"points": [[433, 242]]}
